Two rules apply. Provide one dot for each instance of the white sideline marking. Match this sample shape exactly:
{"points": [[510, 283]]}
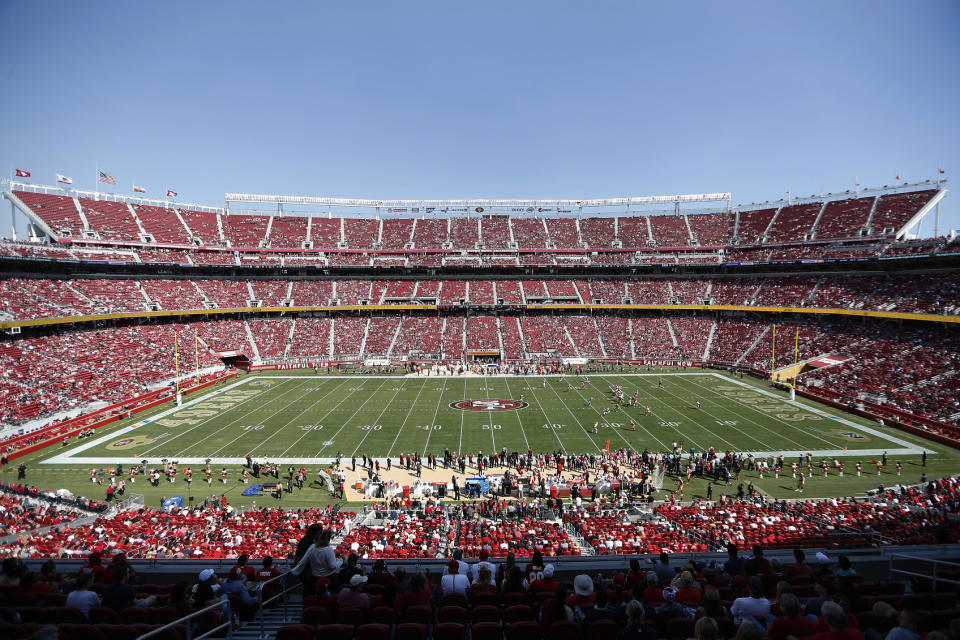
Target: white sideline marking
{"points": [[70, 458]]}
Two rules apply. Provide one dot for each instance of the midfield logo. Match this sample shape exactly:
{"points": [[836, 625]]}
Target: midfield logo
{"points": [[489, 404]]}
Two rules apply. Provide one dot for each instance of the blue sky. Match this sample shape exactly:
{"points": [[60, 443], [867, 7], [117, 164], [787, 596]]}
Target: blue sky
{"points": [[489, 99]]}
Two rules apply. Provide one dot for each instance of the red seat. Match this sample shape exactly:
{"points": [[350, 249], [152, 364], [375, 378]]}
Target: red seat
{"points": [[602, 630], [487, 631], [138, 615], [453, 614], [373, 631], [515, 598], [315, 616], [351, 616], [485, 613], [166, 615], [678, 628], [383, 615], [66, 615], [454, 600], [485, 599], [34, 614], [410, 631], [525, 630], [517, 613], [296, 632], [419, 614], [449, 631], [335, 632], [105, 615], [118, 631], [563, 630], [70, 631]]}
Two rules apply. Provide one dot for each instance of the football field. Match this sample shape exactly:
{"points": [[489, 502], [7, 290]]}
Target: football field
{"points": [[309, 419]]}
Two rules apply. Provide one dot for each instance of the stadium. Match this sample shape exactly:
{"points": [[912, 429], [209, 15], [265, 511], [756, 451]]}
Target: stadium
{"points": [[676, 416]]}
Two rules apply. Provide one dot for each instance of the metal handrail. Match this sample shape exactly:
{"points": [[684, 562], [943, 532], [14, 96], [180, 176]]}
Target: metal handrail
{"points": [[283, 594], [228, 624], [936, 563]]}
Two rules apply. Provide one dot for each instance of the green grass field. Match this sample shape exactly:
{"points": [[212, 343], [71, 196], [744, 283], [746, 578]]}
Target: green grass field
{"points": [[307, 419]]}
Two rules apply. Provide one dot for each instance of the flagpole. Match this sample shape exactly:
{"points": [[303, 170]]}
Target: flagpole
{"points": [[773, 351], [196, 349], [936, 212], [176, 362], [96, 179], [796, 355]]}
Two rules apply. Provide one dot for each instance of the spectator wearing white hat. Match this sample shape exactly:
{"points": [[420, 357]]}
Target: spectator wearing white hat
{"points": [[583, 595], [352, 596]]}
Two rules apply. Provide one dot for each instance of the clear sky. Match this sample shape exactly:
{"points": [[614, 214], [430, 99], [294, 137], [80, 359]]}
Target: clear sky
{"points": [[492, 99]]}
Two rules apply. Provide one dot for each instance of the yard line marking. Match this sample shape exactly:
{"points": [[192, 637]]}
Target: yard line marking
{"points": [[230, 424], [323, 417], [463, 415], [240, 419], [347, 421], [517, 412], [580, 424], [793, 427], [291, 420], [715, 433], [436, 412], [377, 420], [407, 417], [547, 418], [639, 420], [603, 419], [820, 412]]}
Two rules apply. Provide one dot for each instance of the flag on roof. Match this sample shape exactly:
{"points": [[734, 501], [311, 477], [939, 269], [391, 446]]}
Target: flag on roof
{"points": [[106, 177], [941, 171], [137, 189], [171, 194], [64, 179], [26, 174]]}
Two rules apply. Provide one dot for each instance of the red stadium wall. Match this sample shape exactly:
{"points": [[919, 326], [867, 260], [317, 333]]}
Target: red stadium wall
{"points": [[78, 424]]}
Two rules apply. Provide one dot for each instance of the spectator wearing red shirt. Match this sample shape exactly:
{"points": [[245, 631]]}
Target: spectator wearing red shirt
{"points": [[546, 584], [688, 593], [799, 572], [792, 622], [268, 572], [94, 567], [653, 594], [635, 575], [484, 582], [416, 596], [758, 565], [241, 570], [838, 624]]}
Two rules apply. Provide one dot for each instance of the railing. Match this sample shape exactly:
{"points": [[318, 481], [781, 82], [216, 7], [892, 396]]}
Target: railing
{"points": [[924, 576], [285, 594], [185, 620]]}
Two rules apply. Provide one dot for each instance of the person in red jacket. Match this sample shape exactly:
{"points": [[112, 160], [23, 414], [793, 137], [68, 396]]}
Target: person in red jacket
{"points": [[799, 572], [792, 622], [838, 624], [546, 584], [242, 570], [94, 567], [268, 572]]}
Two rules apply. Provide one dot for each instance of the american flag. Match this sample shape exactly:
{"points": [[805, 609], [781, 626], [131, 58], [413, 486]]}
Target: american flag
{"points": [[106, 177]]}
